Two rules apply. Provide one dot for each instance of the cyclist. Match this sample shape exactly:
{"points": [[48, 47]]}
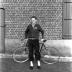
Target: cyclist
{"points": [[32, 35]]}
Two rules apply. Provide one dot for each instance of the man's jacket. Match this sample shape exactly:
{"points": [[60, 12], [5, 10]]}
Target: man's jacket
{"points": [[33, 32]]}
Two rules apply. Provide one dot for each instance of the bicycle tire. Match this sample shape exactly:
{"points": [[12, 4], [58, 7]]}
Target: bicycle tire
{"points": [[20, 55], [50, 55]]}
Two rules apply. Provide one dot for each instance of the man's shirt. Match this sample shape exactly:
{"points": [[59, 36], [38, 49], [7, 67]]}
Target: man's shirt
{"points": [[33, 32]]}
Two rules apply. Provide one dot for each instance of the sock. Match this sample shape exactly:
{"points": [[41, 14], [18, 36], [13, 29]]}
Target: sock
{"points": [[38, 63], [31, 63]]}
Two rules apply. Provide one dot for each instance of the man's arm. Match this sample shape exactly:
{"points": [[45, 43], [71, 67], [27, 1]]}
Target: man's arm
{"points": [[26, 31], [42, 31]]}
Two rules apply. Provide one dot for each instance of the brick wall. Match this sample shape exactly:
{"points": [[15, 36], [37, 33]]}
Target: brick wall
{"points": [[18, 13]]}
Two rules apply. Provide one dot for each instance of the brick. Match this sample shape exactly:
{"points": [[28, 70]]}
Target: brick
{"points": [[18, 13]]}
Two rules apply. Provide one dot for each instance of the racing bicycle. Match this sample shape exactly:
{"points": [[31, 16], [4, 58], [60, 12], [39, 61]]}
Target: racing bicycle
{"points": [[49, 55]]}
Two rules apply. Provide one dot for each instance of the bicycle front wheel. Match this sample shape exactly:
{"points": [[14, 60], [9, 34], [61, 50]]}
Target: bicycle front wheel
{"points": [[20, 55], [50, 55]]}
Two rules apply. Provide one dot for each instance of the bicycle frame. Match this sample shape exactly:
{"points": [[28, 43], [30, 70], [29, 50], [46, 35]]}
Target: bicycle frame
{"points": [[44, 54], [42, 44]]}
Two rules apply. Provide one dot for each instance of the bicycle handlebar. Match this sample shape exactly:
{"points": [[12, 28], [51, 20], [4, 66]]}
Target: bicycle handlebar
{"points": [[39, 41], [35, 38]]}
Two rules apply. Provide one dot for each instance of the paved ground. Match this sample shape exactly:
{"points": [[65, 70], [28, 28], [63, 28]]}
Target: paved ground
{"points": [[8, 65]]}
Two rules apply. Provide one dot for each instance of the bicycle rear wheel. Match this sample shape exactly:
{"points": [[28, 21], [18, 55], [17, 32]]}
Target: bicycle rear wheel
{"points": [[20, 55], [50, 55]]}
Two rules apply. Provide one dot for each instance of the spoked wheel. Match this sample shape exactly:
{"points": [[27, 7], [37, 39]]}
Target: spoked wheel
{"points": [[20, 55], [50, 55]]}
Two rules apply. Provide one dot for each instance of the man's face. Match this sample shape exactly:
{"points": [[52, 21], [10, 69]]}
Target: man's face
{"points": [[33, 20]]}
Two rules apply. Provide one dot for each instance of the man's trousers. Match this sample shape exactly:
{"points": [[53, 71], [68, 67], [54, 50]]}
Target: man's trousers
{"points": [[33, 45]]}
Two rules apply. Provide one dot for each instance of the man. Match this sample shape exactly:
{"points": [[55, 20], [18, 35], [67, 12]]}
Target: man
{"points": [[32, 34]]}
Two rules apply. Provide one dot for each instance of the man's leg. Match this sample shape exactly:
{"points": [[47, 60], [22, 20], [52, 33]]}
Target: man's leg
{"points": [[37, 53], [31, 58]]}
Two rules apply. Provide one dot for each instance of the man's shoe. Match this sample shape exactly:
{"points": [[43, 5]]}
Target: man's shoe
{"points": [[31, 67], [38, 64], [38, 67]]}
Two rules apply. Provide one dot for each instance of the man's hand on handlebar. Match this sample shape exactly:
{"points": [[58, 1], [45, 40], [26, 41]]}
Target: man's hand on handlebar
{"points": [[42, 40]]}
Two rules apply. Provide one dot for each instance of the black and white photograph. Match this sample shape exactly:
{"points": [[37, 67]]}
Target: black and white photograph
{"points": [[35, 35]]}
